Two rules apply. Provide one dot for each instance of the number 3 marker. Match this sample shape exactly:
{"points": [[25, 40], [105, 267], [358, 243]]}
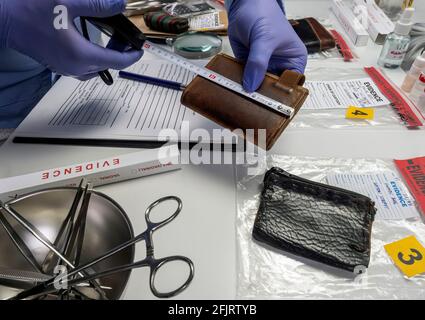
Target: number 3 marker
{"points": [[408, 255]]}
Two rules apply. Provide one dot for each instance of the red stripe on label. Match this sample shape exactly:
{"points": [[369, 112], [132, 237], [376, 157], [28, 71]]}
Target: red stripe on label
{"points": [[342, 45], [413, 172], [401, 106]]}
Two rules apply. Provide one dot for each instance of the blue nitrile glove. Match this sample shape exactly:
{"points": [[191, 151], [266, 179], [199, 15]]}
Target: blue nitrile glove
{"points": [[262, 37], [28, 27]]}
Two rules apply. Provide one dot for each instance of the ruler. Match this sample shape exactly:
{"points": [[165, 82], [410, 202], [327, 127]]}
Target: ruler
{"points": [[218, 79], [407, 115]]}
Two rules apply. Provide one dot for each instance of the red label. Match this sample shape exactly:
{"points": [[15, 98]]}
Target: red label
{"points": [[342, 46], [422, 77], [413, 171], [397, 101]]}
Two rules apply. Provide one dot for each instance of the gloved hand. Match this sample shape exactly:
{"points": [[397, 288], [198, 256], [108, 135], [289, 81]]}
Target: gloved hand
{"points": [[28, 27], [261, 36]]}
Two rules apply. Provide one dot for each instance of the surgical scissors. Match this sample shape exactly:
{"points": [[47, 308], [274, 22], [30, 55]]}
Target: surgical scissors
{"points": [[150, 261]]}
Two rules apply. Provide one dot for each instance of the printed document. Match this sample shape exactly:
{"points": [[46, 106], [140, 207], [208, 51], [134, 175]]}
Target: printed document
{"points": [[391, 196], [342, 94], [125, 110]]}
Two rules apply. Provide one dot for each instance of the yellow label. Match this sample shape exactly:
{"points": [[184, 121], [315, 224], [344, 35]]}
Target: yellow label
{"points": [[408, 255], [360, 113]]}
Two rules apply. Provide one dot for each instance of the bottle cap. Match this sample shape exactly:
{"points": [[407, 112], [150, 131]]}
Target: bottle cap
{"points": [[404, 25]]}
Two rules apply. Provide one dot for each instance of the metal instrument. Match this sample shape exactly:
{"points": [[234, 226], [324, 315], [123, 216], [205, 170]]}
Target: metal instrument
{"points": [[22, 275], [51, 217], [150, 261], [30, 277], [46, 242]]}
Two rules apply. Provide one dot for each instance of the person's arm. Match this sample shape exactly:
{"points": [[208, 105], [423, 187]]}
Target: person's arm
{"points": [[28, 27], [262, 37]]}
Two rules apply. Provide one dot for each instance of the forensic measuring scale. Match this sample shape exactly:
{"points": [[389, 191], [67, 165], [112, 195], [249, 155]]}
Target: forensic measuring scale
{"points": [[124, 30]]}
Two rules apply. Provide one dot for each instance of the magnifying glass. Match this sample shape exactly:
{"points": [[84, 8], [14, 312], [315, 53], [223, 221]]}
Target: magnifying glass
{"points": [[197, 45], [193, 45]]}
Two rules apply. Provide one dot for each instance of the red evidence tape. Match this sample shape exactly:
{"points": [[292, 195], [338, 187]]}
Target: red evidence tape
{"points": [[413, 172], [400, 104], [342, 46]]}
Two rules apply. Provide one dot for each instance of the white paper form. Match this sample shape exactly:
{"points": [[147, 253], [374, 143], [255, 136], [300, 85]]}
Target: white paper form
{"points": [[344, 93], [392, 198], [125, 110]]}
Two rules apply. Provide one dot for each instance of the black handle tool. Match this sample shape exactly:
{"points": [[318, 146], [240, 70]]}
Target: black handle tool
{"points": [[121, 29]]}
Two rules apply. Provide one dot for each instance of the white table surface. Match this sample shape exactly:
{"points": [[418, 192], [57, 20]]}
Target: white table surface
{"points": [[205, 231]]}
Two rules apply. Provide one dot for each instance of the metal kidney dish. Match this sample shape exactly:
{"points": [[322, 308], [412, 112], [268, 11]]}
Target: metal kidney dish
{"points": [[107, 226]]}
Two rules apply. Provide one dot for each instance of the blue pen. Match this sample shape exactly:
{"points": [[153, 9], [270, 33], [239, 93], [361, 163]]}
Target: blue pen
{"points": [[151, 80]]}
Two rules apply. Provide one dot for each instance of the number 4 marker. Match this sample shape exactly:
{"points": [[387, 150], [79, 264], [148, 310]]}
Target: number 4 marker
{"points": [[360, 113]]}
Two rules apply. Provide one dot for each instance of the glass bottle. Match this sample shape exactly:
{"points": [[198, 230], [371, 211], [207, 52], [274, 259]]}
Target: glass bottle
{"points": [[397, 42]]}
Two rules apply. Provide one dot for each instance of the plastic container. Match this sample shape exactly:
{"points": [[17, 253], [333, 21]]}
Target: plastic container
{"points": [[417, 67], [397, 42], [419, 88]]}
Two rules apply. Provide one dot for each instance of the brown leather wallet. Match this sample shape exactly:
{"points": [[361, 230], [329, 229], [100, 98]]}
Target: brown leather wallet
{"points": [[314, 35], [234, 111]]}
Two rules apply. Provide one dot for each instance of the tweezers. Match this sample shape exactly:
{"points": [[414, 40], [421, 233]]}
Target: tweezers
{"points": [[105, 75]]}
